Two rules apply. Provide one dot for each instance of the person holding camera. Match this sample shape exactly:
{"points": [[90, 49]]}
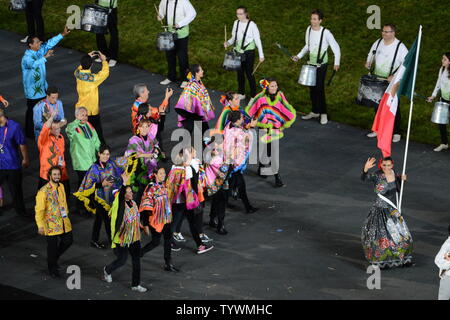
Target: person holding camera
{"points": [[87, 88], [96, 190], [442, 260], [245, 39], [179, 14]]}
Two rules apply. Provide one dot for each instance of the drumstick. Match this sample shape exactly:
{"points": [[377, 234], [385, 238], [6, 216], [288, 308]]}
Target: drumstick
{"points": [[420, 96], [332, 76], [285, 50], [257, 66], [225, 35], [157, 12]]}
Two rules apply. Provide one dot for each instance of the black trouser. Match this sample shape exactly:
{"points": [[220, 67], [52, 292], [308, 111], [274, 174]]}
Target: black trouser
{"points": [[14, 180], [56, 246], [29, 124], [180, 51], [65, 183], [443, 128], [96, 123], [101, 215], [33, 13], [218, 207], [317, 93], [247, 70], [80, 204], [156, 240], [160, 131], [122, 255], [112, 51], [180, 211], [238, 182]]}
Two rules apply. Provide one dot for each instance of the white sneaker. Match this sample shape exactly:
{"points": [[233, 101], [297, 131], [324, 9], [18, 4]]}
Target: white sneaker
{"points": [[24, 40], [98, 60], [179, 237], [241, 96], [107, 277], [323, 119], [139, 289], [441, 147], [184, 84], [310, 116], [112, 62], [165, 82], [396, 138], [371, 135]]}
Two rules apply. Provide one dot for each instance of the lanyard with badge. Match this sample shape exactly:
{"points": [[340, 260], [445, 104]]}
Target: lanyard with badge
{"points": [[2, 145], [58, 151]]}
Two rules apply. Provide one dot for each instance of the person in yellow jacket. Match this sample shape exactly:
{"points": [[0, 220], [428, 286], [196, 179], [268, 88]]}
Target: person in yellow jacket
{"points": [[87, 88], [52, 219]]}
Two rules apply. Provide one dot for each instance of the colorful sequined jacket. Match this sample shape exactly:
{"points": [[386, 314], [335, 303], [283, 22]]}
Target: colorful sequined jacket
{"points": [[275, 116], [91, 189], [156, 202], [217, 174], [195, 103], [50, 207]]}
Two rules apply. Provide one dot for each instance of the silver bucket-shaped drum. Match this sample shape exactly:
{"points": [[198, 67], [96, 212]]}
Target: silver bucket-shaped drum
{"points": [[95, 19], [232, 61], [440, 113], [17, 5], [308, 76], [371, 91], [165, 41]]}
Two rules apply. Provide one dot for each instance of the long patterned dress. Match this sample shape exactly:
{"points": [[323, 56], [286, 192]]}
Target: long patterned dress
{"points": [[385, 237]]}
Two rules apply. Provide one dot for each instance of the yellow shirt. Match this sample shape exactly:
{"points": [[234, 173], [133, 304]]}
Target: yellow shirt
{"points": [[87, 87], [52, 210]]}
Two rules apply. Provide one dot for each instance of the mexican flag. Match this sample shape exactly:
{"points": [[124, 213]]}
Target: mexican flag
{"points": [[402, 84]]}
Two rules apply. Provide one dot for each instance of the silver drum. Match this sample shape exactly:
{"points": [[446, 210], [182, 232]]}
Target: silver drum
{"points": [[17, 5], [95, 19], [232, 61], [308, 75], [165, 41], [440, 113]]}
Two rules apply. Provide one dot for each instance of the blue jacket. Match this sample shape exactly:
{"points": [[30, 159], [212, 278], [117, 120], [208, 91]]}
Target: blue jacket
{"points": [[33, 69], [41, 108]]}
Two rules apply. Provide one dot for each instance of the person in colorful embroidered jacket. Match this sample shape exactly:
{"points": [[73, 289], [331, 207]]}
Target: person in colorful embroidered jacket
{"points": [[146, 148], [51, 148], [385, 237], [12, 139], [34, 74], [274, 114], [84, 145], [195, 103], [156, 214], [52, 219], [96, 190], [231, 102], [87, 88], [4, 101], [43, 109], [126, 234]]}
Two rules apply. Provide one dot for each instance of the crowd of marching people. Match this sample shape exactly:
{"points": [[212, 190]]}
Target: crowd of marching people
{"points": [[134, 194]]}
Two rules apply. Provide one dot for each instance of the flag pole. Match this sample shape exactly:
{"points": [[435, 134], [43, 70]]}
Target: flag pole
{"points": [[410, 116]]}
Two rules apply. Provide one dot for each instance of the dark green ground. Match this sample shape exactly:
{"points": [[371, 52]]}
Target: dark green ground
{"points": [[284, 21]]}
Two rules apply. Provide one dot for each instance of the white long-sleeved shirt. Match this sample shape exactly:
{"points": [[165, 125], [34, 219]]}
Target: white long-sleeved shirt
{"points": [[313, 47], [442, 84], [443, 265], [185, 12], [252, 35], [384, 56]]}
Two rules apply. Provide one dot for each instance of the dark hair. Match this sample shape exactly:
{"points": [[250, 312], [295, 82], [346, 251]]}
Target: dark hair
{"points": [[234, 116], [229, 95], [103, 148], [51, 90], [319, 13], [391, 25], [49, 173], [30, 41], [86, 62], [245, 10], [143, 109], [388, 159], [194, 69], [447, 54], [272, 96], [2, 111]]}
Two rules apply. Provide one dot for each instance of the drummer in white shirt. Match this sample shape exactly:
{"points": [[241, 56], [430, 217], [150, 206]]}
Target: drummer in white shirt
{"points": [[443, 86], [248, 29], [386, 67], [184, 14], [312, 40]]}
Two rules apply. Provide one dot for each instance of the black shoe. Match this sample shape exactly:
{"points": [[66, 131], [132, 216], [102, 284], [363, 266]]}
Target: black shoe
{"points": [[212, 224], [278, 182], [222, 231], [174, 247], [171, 268], [252, 209], [98, 245]]}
